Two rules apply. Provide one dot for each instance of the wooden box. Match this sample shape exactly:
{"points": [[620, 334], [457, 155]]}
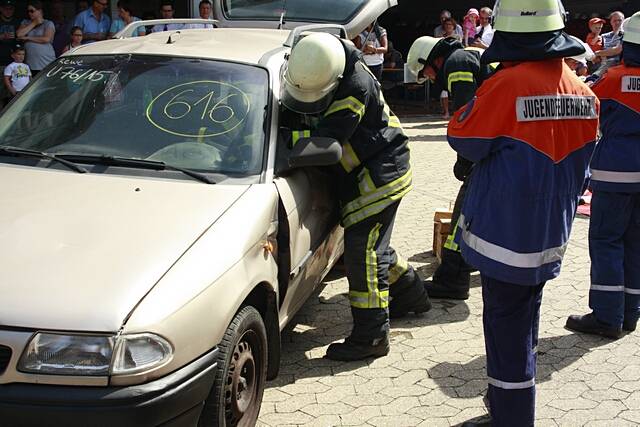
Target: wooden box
{"points": [[441, 229]]}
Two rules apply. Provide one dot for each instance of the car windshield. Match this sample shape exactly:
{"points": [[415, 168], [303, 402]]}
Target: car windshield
{"points": [[331, 11], [190, 113]]}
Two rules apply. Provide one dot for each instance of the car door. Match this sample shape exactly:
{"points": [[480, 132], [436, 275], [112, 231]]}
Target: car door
{"points": [[354, 15], [312, 233]]}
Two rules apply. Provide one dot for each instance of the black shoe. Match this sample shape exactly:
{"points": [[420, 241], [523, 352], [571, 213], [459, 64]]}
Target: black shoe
{"points": [[629, 325], [590, 325], [483, 421], [350, 350], [439, 290], [400, 307]]}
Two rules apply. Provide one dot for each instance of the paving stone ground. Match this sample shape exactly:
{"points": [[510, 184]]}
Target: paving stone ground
{"points": [[435, 373]]}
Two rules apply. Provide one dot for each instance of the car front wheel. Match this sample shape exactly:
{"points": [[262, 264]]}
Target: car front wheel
{"points": [[236, 395]]}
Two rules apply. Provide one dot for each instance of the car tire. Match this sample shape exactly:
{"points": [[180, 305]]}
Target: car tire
{"points": [[236, 395]]}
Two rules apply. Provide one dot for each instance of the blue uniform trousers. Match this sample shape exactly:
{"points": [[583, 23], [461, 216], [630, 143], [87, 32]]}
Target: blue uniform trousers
{"points": [[510, 317], [614, 247]]}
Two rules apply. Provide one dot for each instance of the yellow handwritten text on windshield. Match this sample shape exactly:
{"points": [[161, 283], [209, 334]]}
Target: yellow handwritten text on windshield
{"points": [[199, 109]]}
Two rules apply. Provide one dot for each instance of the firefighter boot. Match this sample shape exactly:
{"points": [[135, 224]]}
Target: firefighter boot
{"points": [[408, 296], [589, 324], [351, 349], [451, 279]]}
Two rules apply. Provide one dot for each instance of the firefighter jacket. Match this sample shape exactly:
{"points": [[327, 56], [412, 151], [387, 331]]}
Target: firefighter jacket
{"points": [[615, 166], [463, 73], [374, 171], [530, 132]]}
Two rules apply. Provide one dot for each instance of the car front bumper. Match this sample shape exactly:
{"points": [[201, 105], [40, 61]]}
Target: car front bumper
{"points": [[174, 400]]}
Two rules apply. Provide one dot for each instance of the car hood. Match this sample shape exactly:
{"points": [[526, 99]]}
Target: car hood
{"points": [[79, 252]]}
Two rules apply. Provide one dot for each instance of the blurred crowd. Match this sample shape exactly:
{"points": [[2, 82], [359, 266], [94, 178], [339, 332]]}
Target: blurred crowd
{"points": [[28, 45]]}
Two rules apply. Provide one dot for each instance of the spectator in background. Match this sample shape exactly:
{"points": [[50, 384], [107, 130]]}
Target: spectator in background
{"points": [[439, 31], [8, 25], [16, 74], [594, 38], [94, 22], [37, 33], [611, 44], [205, 13], [61, 25], [126, 17], [469, 23], [449, 26], [166, 11], [393, 58], [484, 33], [76, 39], [374, 44]]}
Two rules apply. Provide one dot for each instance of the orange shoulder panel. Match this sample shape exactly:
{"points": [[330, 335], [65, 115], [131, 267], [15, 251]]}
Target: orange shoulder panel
{"points": [[533, 102], [622, 84]]}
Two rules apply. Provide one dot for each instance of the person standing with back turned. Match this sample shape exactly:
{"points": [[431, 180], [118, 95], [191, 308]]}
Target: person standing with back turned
{"points": [[614, 230], [531, 159]]}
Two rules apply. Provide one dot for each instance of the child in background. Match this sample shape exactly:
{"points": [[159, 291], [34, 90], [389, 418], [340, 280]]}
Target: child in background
{"points": [[76, 39], [469, 24], [17, 74], [594, 39]]}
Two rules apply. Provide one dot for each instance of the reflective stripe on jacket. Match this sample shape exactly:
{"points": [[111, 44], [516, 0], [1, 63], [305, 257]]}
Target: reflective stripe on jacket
{"points": [[530, 132], [615, 166], [374, 171]]}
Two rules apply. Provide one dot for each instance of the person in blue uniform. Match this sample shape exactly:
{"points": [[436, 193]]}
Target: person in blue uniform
{"points": [[530, 132], [614, 230]]}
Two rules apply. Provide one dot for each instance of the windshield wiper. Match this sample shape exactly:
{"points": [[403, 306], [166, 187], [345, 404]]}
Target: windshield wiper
{"points": [[25, 152], [135, 163]]}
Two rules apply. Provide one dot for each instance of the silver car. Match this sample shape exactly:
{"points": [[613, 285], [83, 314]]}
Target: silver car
{"points": [[157, 233]]}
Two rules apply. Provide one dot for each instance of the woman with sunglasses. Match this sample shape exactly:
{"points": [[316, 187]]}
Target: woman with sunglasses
{"points": [[76, 39], [37, 33]]}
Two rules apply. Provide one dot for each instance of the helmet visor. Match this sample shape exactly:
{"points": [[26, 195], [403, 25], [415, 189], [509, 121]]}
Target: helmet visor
{"points": [[306, 102]]}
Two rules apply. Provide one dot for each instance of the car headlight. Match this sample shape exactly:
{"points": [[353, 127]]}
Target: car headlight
{"points": [[86, 355], [138, 353]]}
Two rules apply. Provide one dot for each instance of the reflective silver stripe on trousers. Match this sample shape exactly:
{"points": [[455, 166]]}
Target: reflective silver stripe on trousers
{"points": [[619, 177], [606, 288], [509, 257], [534, 350], [512, 386], [632, 291]]}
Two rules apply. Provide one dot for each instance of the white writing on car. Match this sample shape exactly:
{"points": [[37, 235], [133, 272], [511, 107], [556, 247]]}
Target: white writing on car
{"points": [[76, 74]]}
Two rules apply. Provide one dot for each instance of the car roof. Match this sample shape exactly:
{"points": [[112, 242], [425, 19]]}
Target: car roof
{"points": [[231, 44]]}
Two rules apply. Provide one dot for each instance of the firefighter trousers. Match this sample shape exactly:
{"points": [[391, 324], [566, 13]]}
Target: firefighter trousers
{"points": [[614, 248], [453, 271], [510, 318], [367, 259]]}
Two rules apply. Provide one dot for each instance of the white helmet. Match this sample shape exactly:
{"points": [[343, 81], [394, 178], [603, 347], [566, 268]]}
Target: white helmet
{"points": [[419, 54], [528, 16], [632, 29], [313, 72], [588, 54]]}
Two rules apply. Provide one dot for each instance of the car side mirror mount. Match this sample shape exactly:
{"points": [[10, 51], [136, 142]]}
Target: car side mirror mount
{"points": [[315, 151]]}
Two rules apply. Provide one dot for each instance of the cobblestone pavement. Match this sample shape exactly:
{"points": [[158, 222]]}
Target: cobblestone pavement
{"points": [[435, 373]]}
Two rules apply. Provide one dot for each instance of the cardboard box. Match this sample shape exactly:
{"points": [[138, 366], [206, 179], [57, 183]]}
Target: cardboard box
{"points": [[441, 229]]}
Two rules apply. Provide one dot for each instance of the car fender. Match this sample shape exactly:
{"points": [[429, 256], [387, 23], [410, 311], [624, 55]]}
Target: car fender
{"points": [[194, 302]]}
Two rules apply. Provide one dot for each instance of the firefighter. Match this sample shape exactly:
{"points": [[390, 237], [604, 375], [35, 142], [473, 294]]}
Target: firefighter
{"points": [[530, 132], [450, 65], [325, 76], [614, 230]]}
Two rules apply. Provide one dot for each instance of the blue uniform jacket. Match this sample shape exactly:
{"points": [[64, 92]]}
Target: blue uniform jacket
{"points": [[530, 131], [615, 166]]}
